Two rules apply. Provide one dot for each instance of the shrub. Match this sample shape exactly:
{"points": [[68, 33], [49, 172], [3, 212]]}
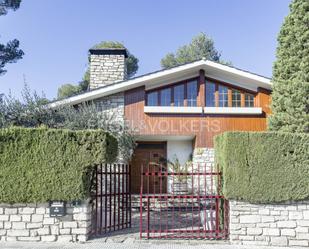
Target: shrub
{"points": [[38, 165], [33, 110], [264, 167]]}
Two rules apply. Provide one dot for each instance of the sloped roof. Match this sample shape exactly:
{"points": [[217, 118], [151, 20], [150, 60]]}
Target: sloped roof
{"points": [[229, 74]]}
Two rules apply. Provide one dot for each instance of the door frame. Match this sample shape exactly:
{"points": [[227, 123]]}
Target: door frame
{"points": [[164, 148]]}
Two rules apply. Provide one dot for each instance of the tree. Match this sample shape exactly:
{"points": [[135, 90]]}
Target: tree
{"points": [[290, 97], [201, 46], [6, 5], [32, 110], [68, 90], [10, 52], [83, 85]]}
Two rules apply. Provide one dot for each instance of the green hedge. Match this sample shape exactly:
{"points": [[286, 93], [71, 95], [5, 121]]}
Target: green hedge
{"points": [[264, 167], [38, 165]]}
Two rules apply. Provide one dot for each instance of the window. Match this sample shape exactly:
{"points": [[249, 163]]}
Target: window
{"points": [[191, 93], [236, 98], [210, 94], [223, 96], [249, 100], [165, 97], [152, 99], [179, 95]]}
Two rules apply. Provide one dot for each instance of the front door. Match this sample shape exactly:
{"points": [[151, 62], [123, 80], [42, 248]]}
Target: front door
{"points": [[151, 157]]}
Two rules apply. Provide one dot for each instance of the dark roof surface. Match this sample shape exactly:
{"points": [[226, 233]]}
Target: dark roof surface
{"points": [[107, 51]]}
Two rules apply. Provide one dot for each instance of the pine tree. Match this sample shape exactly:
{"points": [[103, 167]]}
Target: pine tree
{"points": [[10, 52], [201, 46], [290, 97]]}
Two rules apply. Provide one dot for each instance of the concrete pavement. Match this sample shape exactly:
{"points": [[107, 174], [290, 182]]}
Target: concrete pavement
{"points": [[132, 244]]}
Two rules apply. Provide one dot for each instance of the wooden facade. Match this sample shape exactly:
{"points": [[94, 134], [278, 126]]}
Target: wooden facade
{"points": [[201, 126]]}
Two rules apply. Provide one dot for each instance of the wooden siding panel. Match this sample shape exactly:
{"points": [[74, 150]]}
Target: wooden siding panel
{"points": [[203, 127]]}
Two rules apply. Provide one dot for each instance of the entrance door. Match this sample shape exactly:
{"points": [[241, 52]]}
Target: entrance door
{"points": [[150, 156]]}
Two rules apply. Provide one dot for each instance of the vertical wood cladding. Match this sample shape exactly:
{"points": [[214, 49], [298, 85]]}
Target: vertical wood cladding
{"points": [[203, 126]]}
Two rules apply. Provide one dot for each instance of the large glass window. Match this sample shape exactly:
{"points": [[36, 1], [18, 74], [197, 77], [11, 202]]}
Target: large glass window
{"points": [[236, 98], [223, 96], [165, 97], [192, 93], [179, 95], [210, 94], [249, 100], [152, 99]]}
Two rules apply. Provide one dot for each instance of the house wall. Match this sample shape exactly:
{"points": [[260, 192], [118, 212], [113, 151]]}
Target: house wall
{"points": [[113, 109], [203, 126], [181, 149], [285, 224], [112, 106], [204, 161], [32, 222]]}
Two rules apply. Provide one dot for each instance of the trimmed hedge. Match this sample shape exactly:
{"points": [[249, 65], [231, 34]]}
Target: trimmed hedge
{"points": [[264, 167], [38, 165]]}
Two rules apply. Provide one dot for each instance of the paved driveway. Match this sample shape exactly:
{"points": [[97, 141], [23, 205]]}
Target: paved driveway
{"points": [[96, 244]]}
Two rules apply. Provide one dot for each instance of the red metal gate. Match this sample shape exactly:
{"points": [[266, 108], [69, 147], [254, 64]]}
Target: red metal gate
{"points": [[111, 206], [193, 207]]}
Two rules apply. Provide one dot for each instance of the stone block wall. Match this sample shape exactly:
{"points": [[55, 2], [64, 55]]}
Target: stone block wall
{"points": [[112, 106], [203, 160], [270, 224], [106, 69], [32, 222], [204, 156]]}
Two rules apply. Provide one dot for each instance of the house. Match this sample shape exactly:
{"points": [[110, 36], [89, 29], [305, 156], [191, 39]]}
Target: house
{"points": [[176, 112]]}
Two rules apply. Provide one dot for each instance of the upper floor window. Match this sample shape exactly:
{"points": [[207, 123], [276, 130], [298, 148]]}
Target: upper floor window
{"points": [[152, 99], [249, 100], [179, 95], [236, 98], [186, 94], [191, 93], [223, 96], [165, 97], [210, 94]]}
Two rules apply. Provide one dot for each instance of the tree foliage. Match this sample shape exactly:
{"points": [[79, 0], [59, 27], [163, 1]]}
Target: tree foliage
{"points": [[51, 164], [33, 110], [201, 46], [10, 52], [290, 97], [68, 90], [6, 5], [264, 167]]}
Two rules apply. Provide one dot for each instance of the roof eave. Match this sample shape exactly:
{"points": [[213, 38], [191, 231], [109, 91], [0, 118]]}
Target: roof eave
{"points": [[255, 80]]}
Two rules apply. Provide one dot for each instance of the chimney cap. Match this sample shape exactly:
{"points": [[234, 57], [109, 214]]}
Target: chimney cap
{"points": [[108, 51]]}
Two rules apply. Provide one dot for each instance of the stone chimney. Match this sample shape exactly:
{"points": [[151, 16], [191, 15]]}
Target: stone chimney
{"points": [[107, 66]]}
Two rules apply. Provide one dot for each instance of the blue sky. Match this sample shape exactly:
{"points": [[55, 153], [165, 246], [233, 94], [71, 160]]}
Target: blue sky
{"points": [[56, 35]]}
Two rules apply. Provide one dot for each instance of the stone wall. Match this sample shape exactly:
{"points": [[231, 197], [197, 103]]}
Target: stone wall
{"points": [[112, 106], [106, 69], [204, 156], [32, 222], [204, 161], [277, 225]]}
